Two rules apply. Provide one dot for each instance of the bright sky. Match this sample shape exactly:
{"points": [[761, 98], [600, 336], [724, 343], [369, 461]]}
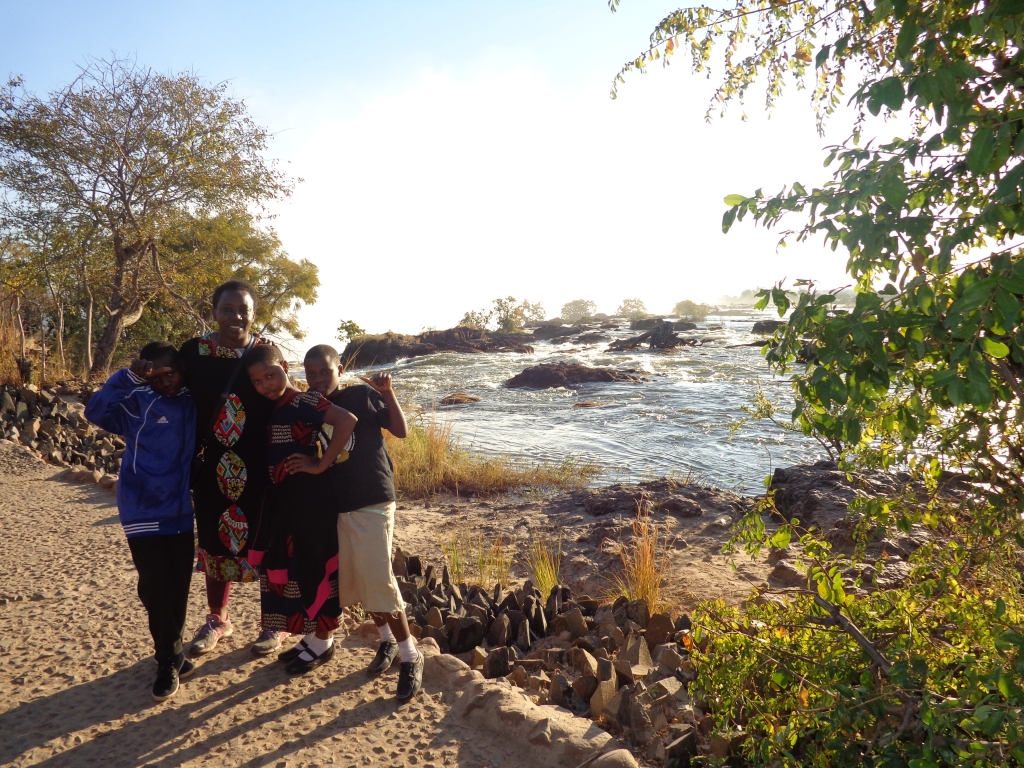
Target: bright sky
{"points": [[454, 152]]}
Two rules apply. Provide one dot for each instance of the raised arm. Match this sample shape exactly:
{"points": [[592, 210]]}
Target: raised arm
{"points": [[343, 423], [381, 382], [109, 408]]}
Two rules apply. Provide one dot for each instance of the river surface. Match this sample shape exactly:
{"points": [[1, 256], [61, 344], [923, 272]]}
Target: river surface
{"points": [[677, 423]]}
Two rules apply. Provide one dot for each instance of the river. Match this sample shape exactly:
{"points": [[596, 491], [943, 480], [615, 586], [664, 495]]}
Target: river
{"points": [[677, 423]]}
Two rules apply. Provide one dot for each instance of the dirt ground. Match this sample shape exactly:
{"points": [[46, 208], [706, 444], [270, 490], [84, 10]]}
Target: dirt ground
{"points": [[75, 656]]}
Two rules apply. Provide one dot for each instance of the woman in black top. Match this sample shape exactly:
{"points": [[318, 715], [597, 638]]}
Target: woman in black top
{"points": [[229, 477]]}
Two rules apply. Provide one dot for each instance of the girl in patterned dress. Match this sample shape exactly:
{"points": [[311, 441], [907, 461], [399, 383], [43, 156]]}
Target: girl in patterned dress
{"points": [[229, 478], [297, 549]]}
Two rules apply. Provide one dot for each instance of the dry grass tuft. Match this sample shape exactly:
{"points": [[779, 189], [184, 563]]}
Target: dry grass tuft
{"points": [[644, 564], [474, 560], [544, 559], [431, 460]]}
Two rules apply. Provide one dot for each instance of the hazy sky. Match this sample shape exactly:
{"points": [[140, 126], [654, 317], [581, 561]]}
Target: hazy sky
{"points": [[454, 152]]}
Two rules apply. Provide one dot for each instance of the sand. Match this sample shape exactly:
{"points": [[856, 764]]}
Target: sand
{"points": [[76, 664]]}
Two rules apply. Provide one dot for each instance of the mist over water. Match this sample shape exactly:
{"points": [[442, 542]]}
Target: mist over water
{"points": [[676, 423]]}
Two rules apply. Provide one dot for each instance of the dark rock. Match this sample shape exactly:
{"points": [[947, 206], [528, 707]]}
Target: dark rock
{"points": [[523, 637], [571, 622], [681, 507], [515, 618], [684, 746], [555, 331], [659, 629], [400, 564], [636, 652], [683, 622], [767, 326], [786, 574], [459, 398], [685, 325], [551, 375], [584, 686], [498, 663], [588, 605], [499, 631], [638, 611], [661, 336], [468, 635], [510, 603], [439, 636], [554, 604], [370, 350], [538, 621]]}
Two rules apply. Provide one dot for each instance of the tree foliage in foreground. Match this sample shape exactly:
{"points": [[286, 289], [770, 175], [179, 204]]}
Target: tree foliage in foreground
{"points": [[98, 177], [924, 372]]}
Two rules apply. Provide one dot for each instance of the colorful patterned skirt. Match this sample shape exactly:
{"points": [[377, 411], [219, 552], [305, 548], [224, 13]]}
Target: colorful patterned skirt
{"points": [[297, 555]]}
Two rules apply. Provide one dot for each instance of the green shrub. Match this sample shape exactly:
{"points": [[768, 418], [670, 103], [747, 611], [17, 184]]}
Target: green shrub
{"points": [[943, 690]]}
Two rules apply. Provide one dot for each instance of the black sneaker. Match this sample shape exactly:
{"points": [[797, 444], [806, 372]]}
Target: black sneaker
{"points": [[185, 668], [387, 652], [166, 684], [410, 678]]}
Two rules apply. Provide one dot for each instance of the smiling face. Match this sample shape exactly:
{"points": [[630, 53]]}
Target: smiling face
{"points": [[233, 314], [322, 375], [270, 379], [168, 384]]}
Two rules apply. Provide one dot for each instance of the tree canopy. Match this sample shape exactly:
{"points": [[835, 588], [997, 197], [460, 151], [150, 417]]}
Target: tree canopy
{"points": [[101, 178], [923, 373], [508, 315], [690, 311], [634, 309], [578, 309]]}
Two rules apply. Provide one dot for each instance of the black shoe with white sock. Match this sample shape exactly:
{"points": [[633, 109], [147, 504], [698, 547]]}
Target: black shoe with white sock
{"points": [[387, 652], [313, 655], [410, 678]]}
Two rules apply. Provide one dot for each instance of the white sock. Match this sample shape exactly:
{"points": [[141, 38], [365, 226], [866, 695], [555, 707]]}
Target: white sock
{"points": [[386, 635], [407, 649], [316, 645]]}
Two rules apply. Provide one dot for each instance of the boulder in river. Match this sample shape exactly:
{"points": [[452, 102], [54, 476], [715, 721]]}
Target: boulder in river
{"points": [[767, 326], [364, 351], [550, 375], [556, 331], [459, 398], [662, 336]]}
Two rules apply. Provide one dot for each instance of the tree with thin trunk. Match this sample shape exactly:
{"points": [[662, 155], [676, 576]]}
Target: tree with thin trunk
{"points": [[132, 151]]}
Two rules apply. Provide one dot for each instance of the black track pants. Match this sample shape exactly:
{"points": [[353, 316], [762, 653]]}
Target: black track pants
{"points": [[165, 565]]}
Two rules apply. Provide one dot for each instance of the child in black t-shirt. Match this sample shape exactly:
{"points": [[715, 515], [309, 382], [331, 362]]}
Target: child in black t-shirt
{"points": [[365, 486], [295, 546]]}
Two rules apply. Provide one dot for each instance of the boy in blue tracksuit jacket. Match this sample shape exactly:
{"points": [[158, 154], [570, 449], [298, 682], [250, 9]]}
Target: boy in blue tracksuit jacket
{"points": [[148, 405]]}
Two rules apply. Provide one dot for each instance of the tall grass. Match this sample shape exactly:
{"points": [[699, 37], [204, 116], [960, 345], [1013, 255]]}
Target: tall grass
{"points": [[475, 560], [9, 344], [544, 559], [644, 563], [453, 549], [431, 460]]}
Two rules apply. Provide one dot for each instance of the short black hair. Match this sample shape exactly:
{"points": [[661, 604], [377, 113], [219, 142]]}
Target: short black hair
{"points": [[324, 352], [160, 350], [234, 285], [262, 354]]}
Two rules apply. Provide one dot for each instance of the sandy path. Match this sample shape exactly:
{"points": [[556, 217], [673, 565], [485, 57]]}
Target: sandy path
{"points": [[76, 665]]}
